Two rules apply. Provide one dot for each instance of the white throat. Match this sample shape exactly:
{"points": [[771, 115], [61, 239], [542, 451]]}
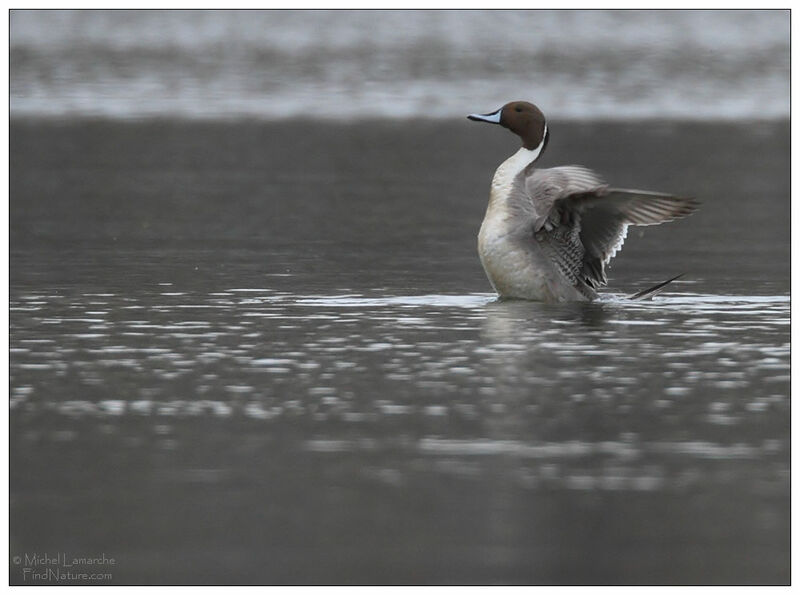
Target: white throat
{"points": [[511, 167]]}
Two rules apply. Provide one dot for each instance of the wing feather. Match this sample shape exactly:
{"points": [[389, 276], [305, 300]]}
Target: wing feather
{"points": [[581, 223]]}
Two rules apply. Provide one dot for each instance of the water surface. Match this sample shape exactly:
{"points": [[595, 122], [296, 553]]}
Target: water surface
{"points": [[253, 353]]}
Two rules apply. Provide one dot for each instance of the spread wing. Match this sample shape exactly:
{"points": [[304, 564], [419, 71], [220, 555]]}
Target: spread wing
{"points": [[605, 217], [581, 223]]}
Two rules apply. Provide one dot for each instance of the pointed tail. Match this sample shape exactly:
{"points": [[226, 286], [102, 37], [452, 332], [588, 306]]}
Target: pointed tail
{"points": [[650, 292]]}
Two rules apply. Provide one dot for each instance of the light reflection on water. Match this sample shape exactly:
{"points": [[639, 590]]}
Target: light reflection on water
{"points": [[244, 350], [682, 395]]}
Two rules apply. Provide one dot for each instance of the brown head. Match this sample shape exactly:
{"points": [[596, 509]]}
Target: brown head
{"points": [[523, 119]]}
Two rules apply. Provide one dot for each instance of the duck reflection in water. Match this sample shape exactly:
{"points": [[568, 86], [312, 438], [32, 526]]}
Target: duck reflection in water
{"points": [[511, 320]]}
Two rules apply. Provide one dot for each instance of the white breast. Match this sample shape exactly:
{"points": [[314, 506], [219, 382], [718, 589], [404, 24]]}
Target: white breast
{"points": [[513, 263], [499, 220]]}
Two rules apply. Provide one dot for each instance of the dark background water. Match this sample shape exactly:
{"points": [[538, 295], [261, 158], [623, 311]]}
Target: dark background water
{"points": [[266, 353]]}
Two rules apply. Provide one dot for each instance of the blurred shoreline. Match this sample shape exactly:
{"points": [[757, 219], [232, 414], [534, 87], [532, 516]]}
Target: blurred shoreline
{"points": [[348, 65]]}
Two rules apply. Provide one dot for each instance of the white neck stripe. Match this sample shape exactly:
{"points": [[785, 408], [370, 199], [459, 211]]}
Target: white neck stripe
{"points": [[512, 166], [535, 152]]}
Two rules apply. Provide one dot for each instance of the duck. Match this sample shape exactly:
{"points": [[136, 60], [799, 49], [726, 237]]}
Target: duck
{"points": [[549, 234]]}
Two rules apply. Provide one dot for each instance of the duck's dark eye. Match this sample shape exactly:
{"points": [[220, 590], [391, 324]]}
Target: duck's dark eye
{"points": [[519, 109]]}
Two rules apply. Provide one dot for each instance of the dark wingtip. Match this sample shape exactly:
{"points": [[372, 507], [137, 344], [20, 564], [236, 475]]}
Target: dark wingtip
{"points": [[653, 291], [692, 202], [686, 205], [691, 206]]}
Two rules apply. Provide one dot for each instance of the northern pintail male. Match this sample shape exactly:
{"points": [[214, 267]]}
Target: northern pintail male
{"points": [[548, 234]]}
